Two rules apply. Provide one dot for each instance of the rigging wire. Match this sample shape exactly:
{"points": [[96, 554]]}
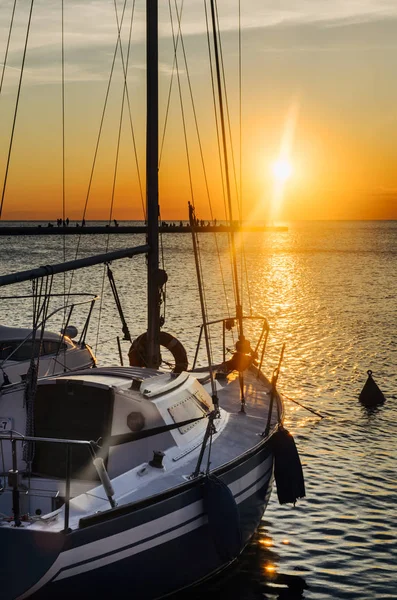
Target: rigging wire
{"points": [[99, 136], [16, 108], [126, 95], [243, 258], [238, 188], [63, 145], [102, 118], [96, 152], [227, 111], [188, 157], [96, 155], [219, 150], [125, 69], [225, 158], [163, 290], [215, 107], [182, 107], [169, 91], [126, 332], [179, 16], [63, 121], [118, 44], [240, 197], [7, 45], [239, 191]]}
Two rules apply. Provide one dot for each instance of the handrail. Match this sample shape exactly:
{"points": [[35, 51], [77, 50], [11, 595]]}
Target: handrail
{"points": [[115, 440], [14, 436], [224, 321]]}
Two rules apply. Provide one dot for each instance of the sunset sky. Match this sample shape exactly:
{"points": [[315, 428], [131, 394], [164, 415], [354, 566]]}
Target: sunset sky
{"points": [[319, 90]]}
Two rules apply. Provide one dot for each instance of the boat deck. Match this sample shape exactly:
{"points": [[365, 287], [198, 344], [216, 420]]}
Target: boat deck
{"points": [[237, 433]]}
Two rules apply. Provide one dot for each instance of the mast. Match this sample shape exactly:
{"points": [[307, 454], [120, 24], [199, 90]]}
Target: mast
{"points": [[153, 285]]}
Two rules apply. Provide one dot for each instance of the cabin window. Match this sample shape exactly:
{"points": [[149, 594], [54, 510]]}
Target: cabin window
{"points": [[52, 347], [25, 351]]}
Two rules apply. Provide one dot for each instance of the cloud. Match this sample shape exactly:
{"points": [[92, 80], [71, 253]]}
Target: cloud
{"points": [[91, 30]]}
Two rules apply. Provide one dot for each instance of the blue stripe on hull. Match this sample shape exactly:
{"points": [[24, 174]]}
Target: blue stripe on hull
{"points": [[170, 559]]}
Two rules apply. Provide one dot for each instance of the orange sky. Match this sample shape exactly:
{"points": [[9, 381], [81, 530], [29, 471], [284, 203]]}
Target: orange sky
{"points": [[333, 68]]}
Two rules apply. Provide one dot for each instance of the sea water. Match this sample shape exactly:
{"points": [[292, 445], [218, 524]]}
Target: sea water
{"points": [[328, 290]]}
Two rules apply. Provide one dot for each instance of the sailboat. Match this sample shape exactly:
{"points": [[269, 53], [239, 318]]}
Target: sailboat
{"points": [[136, 479], [57, 353]]}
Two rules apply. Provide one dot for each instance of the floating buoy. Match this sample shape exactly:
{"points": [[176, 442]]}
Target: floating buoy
{"points": [[223, 518], [287, 468], [371, 395]]}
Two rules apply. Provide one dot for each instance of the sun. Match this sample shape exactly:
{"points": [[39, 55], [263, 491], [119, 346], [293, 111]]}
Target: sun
{"points": [[282, 170]]}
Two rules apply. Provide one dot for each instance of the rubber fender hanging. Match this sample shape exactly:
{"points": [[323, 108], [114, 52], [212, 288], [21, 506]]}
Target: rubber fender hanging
{"points": [[137, 351], [371, 395], [287, 468], [223, 518]]}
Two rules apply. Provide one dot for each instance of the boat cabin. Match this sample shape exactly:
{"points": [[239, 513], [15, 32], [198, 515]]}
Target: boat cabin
{"points": [[97, 405], [57, 353]]}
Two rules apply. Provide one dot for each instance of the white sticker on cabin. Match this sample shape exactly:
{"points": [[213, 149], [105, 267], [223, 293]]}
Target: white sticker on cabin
{"points": [[5, 424]]}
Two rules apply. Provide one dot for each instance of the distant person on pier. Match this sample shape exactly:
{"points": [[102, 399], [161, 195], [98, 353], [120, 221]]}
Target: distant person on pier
{"points": [[67, 221], [115, 223]]}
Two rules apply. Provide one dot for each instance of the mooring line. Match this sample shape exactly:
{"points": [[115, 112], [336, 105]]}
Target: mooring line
{"points": [[303, 406]]}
